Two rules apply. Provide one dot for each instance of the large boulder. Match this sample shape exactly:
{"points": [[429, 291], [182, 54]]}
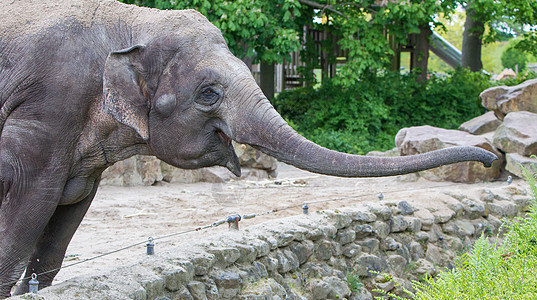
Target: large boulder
{"points": [[515, 162], [250, 157], [517, 134], [504, 99], [422, 139], [485, 123]]}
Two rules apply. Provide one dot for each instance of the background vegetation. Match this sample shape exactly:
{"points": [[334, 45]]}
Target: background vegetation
{"points": [[367, 115]]}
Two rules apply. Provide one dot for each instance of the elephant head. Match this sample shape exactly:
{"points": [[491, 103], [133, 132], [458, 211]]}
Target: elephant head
{"points": [[188, 98]]}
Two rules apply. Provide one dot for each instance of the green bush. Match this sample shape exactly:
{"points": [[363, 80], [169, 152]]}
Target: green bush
{"points": [[367, 115]]}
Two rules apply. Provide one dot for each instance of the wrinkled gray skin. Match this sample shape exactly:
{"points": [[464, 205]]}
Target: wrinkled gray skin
{"points": [[84, 84]]}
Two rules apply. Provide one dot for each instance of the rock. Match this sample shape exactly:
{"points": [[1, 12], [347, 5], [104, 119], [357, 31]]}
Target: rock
{"points": [[287, 261], [363, 216], [197, 290], [203, 263], [434, 254], [502, 208], [514, 162], [517, 134], [346, 236], [398, 224], [422, 237], [351, 250], [406, 209], [228, 283], [397, 264], [473, 209], [426, 218], [362, 231], [464, 228], [252, 158], [503, 99], [414, 224], [482, 124], [367, 263], [324, 250], [339, 288], [443, 215], [363, 294], [225, 256], [136, 170], [382, 212], [390, 244], [370, 245], [422, 139], [302, 250], [416, 251], [381, 229]]}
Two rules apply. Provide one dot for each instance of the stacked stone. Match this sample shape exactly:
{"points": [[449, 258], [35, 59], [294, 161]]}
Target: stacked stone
{"points": [[315, 256]]}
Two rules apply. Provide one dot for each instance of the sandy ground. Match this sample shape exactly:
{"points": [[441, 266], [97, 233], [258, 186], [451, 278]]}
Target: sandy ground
{"points": [[122, 216]]}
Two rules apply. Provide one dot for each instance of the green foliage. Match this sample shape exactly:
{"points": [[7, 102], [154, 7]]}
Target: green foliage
{"points": [[492, 270], [367, 115], [513, 57], [353, 280]]}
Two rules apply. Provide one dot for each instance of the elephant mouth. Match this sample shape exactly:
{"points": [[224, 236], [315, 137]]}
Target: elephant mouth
{"points": [[232, 161]]}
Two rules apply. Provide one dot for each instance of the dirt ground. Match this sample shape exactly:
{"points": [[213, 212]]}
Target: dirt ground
{"points": [[122, 216]]}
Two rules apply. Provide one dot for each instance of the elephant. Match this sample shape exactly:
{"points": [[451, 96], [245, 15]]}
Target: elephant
{"points": [[87, 83]]}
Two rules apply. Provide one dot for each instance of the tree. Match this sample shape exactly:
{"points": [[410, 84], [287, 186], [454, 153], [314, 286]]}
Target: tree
{"points": [[514, 58]]}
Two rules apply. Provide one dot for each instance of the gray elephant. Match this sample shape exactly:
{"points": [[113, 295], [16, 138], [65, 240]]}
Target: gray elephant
{"points": [[84, 84]]}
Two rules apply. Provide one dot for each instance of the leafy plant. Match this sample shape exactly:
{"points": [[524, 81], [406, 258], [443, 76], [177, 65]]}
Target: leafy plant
{"points": [[353, 280]]}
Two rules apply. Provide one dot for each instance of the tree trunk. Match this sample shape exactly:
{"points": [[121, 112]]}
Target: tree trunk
{"points": [[471, 42], [420, 56]]}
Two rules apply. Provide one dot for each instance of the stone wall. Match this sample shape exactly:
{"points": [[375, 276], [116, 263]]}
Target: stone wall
{"points": [[315, 256]]}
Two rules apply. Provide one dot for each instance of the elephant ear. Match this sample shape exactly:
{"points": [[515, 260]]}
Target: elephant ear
{"points": [[125, 94]]}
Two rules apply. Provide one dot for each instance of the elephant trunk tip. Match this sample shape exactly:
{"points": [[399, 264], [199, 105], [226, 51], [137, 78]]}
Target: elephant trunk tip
{"points": [[488, 159]]}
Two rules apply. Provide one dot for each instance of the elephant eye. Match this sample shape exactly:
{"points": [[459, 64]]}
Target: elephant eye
{"points": [[209, 95]]}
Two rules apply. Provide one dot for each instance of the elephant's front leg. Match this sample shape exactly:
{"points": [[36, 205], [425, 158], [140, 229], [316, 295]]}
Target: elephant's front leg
{"points": [[52, 245], [22, 220]]}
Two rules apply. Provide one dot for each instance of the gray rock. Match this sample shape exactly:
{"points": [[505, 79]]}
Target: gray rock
{"points": [[351, 250], [422, 237], [398, 224], [514, 161], [302, 250], [228, 283], [247, 254], [390, 244], [197, 290], [363, 294], [287, 261], [426, 218], [434, 254], [339, 288], [502, 208], [414, 224], [203, 263], [339, 219], [225, 256], [253, 158], [381, 229], [504, 99], [406, 209], [323, 251], [256, 271], [346, 236], [416, 251], [473, 209], [176, 278], [422, 139], [397, 264], [319, 289], [516, 134], [363, 216], [382, 212], [136, 170], [370, 245], [367, 263], [362, 231], [482, 124]]}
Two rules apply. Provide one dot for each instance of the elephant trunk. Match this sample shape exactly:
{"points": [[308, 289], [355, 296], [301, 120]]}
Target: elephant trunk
{"points": [[263, 128]]}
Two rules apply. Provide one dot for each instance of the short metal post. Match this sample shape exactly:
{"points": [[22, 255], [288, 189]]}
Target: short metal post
{"points": [[509, 179], [150, 246], [305, 208], [33, 284], [233, 222], [380, 196]]}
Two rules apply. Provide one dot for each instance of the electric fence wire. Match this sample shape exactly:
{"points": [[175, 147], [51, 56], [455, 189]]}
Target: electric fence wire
{"points": [[228, 220]]}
